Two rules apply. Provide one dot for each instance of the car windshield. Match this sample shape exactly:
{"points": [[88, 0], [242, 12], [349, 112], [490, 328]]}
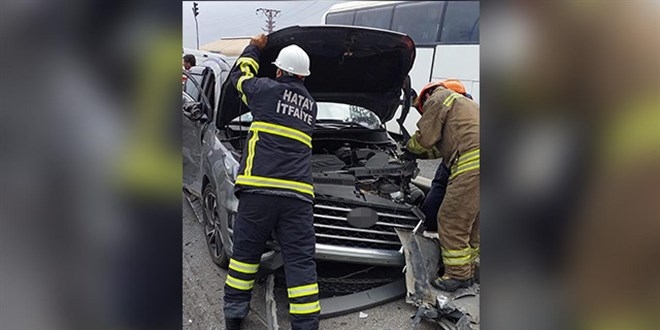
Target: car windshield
{"points": [[335, 113]]}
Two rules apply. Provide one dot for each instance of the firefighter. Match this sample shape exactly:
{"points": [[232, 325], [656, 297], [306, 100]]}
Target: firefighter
{"points": [[274, 185], [449, 129], [439, 183]]}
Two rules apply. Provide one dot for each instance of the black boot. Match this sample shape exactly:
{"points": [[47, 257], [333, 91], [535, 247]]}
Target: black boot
{"points": [[449, 284], [233, 323]]}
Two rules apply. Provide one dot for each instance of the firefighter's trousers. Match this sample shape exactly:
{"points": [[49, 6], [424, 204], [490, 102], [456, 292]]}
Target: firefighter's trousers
{"points": [[458, 225], [292, 220], [434, 197]]}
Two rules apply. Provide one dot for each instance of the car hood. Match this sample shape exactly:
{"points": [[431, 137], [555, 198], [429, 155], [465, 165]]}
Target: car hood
{"points": [[354, 65]]}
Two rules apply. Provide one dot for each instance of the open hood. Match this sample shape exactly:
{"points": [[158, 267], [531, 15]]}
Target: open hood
{"points": [[354, 65]]}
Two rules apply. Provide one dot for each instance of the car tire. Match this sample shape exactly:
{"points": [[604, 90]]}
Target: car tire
{"points": [[211, 228]]}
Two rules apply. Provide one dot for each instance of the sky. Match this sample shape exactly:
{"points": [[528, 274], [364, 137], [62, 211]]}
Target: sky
{"points": [[238, 18]]}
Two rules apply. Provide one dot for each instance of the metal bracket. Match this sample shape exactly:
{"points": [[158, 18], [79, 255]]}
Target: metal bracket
{"points": [[271, 306]]}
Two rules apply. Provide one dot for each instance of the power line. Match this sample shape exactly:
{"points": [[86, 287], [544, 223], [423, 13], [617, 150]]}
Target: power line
{"points": [[294, 19], [302, 10], [270, 18]]}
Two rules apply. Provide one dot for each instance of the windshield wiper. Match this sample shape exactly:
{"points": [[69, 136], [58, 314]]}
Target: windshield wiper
{"points": [[338, 124]]}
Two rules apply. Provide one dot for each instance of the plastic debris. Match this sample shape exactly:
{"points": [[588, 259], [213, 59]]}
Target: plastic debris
{"points": [[363, 315]]}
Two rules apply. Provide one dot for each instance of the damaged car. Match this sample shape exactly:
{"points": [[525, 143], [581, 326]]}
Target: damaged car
{"points": [[366, 192], [363, 186]]}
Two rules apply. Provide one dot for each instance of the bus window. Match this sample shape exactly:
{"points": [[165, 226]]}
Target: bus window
{"points": [[461, 24], [374, 17], [418, 20], [344, 18]]}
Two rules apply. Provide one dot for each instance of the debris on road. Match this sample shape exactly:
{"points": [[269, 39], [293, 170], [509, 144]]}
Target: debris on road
{"points": [[422, 258], [363, 315], [271, 306]]}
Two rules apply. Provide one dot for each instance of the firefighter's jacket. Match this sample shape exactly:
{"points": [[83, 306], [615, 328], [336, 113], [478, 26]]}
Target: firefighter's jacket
{"points": [[448, 129], [277, 156]]}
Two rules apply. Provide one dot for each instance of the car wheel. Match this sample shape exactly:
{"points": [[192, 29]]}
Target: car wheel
{"points": [[212, 228]]}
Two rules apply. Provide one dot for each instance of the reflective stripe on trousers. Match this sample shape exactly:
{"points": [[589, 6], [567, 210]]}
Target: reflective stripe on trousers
{"points": [[298, 296], [241, 275], [306, 308], [459, 257]]}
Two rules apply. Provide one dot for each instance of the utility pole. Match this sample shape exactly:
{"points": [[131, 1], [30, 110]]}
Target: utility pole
{"points": [[270, 18], [196, 12]]}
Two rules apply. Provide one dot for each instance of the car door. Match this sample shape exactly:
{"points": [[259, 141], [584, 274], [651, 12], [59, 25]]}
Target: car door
{"points": [[197, 109]]}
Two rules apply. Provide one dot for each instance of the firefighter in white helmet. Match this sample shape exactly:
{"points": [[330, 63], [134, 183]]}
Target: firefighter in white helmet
{"points": [[274, 185]]}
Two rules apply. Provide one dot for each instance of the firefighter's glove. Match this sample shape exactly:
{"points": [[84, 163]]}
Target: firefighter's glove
{"points": [[416, 148], [259, 41]]}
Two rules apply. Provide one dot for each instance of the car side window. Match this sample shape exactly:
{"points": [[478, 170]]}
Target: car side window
{"points": [[209, 91]]}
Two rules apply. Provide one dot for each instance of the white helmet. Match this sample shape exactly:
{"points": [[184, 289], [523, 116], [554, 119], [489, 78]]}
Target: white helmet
{"points": [[293, 59]]}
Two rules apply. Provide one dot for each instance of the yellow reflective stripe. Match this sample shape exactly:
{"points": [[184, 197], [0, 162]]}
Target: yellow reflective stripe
{"points": [[264, 182], [450, 99], [466, 165], [474, 254], [466, 162], [303, 290], [457, 261], [245, 64], [252, 144], [464, 168], [284, 131], [249, 61], [247, 74], [468, 157], [243, 267], [457, 253], [307, 308], [239, 284], [239, 86]]}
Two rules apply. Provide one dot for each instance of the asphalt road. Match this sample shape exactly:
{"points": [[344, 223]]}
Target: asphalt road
{"points": [[427, 167], [203, 290]]}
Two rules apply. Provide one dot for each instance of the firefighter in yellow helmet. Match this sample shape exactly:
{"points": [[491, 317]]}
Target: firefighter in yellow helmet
{"points": [[449, 129]]}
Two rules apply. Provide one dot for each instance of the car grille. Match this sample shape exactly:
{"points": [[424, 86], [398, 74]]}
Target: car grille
{"points": [[333, 228]]}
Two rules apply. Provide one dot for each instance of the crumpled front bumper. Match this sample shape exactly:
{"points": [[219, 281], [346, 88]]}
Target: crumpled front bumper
{"points": [[452, 310]]}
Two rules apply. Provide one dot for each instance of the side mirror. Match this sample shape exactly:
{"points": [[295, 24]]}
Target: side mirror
{"points": [[193, 111]]}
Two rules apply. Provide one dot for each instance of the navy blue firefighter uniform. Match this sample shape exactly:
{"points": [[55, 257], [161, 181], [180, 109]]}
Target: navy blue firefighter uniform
{"points": [[275, 191]]}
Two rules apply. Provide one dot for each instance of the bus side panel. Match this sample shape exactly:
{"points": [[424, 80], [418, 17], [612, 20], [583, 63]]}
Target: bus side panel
{"points": [[475, 91], [459, 62], [421, 69], [410, 124]]}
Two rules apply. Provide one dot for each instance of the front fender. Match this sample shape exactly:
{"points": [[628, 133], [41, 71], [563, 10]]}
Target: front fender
{"points": [[220, 168]]}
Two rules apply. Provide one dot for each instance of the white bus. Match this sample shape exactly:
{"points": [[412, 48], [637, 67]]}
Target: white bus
{"points": [[446, 34]]}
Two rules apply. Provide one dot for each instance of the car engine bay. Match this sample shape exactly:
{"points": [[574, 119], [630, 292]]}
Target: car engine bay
{"points": [[374, 170]]}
